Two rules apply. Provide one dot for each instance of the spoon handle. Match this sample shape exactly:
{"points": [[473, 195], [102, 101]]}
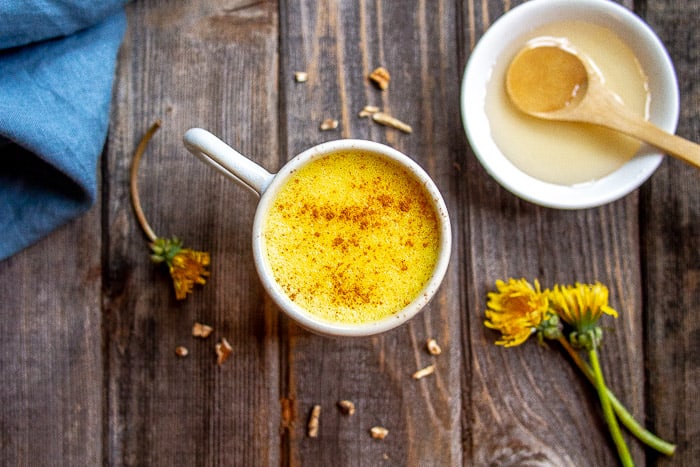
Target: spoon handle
{"points": [[643, 130], [672, 144]]}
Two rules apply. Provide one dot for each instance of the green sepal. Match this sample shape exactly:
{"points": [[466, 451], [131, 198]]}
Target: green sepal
{"points": [[165, 249]]}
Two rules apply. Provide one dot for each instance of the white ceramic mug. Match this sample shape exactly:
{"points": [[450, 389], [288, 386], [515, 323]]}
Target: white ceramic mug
{"points": [[229, 162]]}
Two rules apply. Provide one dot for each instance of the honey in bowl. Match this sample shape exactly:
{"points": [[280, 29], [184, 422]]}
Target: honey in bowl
{"points": [[566, 153], [352, 237], [545, 77]]}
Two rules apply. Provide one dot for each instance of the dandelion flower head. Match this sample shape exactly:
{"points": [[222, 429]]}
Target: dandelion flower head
{"points": [[516, 310], [187, 267], [581, 305]]}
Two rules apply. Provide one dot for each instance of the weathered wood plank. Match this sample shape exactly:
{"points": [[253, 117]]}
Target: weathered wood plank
{"points": [[527, 405], [339, 44], [50, 349], [214, 65], [87, 362], [670, 231]]}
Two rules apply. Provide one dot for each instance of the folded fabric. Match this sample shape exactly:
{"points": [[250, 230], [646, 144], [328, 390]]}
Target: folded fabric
{"points": [[55, 92]]}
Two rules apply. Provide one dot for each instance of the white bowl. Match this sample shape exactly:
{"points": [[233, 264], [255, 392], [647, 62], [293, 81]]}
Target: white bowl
{"points": [[504, 38]]}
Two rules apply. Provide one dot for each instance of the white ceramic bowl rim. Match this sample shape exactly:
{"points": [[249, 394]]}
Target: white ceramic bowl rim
{"points": [[303, 317], [526, 17]]}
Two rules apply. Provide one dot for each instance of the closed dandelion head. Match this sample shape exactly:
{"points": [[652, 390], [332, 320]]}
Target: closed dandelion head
{"points": [[581, 306], [187, 267], [516, 309]]}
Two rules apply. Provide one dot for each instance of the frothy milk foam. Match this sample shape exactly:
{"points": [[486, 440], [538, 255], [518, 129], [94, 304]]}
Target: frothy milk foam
{"points": [[352, 237]]}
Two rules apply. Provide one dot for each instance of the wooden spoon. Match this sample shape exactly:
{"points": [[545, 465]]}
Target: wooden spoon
{"points": [[555, 82]]}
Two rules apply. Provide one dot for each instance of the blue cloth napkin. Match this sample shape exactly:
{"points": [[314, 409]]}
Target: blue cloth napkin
{"points": [[57, 61]]}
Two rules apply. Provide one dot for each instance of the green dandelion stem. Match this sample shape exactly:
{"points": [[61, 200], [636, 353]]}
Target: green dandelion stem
{"points": [[644, 435], [610, 418]]}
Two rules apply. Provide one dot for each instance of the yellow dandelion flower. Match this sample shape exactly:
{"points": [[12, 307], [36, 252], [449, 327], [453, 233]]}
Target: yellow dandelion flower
{"points": [[187, 267], [581, 305], [516, 310]]}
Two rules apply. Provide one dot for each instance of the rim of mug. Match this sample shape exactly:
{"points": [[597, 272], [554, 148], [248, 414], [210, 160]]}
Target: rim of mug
{"points": [[305, 318]]}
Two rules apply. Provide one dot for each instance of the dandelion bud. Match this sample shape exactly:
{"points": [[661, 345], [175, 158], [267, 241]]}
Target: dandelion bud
{"points": [[550, 328]]}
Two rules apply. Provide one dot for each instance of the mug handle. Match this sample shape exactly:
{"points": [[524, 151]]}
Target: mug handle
{"points": [[227, 160]]}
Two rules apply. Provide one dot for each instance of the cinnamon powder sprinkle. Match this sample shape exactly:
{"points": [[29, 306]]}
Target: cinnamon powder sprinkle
{"points": [[355, 240]]}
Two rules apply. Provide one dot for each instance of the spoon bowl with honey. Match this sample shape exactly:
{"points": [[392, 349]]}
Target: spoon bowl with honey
{"points": [[554, 81]]}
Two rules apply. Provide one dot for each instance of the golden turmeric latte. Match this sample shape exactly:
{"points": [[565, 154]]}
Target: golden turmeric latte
{"points": [[352, 237]]}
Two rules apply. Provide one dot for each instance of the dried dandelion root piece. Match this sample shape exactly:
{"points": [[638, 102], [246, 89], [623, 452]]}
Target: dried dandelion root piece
{"points": [[201, 330], [312, 427], [181, 351], [301, 76], [368, 111], [387, 120], [223, 351], [378, 432], [433, 347], [428, 370], [381, 77], [347, 407], [329, 124]]}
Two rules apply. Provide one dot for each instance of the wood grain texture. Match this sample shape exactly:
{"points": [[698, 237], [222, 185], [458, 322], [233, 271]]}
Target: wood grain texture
{"points": [[670, 234], [338, 44], [89, 326], [212, 65], [515, 393], [50, 346]]}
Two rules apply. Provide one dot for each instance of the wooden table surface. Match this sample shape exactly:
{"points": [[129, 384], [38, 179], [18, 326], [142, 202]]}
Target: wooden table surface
{"points": [[90, 326]]}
